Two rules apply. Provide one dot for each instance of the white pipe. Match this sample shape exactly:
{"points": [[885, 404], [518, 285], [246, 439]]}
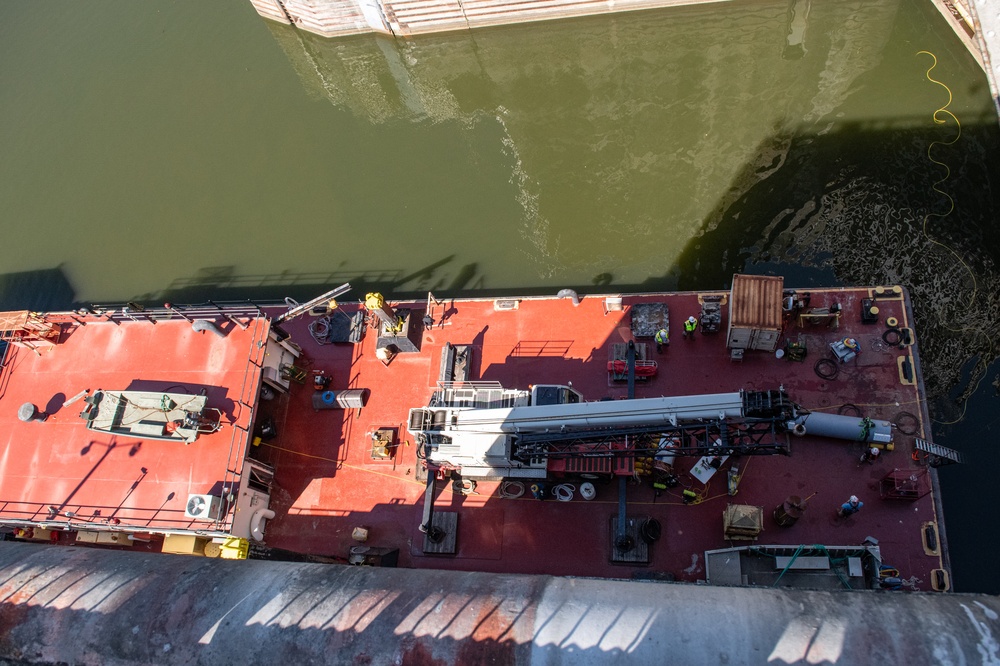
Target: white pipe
{"points": [[203, 325], [257, 523], [569, 293], [841, 426]]}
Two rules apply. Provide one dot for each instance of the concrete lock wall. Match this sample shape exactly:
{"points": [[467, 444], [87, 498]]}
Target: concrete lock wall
{"points": [[972, 21], [89, 606], [332, 18]]}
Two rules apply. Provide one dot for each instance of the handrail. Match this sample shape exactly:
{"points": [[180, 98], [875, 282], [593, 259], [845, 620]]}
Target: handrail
{"points": [[78, 521], [233, 475], [117, 312]]}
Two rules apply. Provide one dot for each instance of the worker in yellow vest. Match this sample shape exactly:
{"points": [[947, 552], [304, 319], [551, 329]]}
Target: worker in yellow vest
{"points": [[662, 338], [690, 326]]}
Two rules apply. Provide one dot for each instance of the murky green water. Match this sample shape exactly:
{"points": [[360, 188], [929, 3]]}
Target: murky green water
{"points": [[155, 151]]}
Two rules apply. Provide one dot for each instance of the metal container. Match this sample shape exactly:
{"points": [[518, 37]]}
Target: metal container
{"points": [[789, 511], [755, 312], [348, 399], [840, 426]]}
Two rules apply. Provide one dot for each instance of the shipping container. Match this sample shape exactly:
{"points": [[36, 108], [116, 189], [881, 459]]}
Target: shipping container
{"points": [[755, 312]]}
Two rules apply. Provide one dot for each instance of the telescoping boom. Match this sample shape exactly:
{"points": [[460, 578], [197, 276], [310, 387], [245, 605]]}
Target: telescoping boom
{"points": [[504, 432]]}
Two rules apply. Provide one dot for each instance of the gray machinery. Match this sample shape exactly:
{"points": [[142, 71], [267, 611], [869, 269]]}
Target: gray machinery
{"points": [[853, 428], [711, 314], [484, 430], [488, 431]]}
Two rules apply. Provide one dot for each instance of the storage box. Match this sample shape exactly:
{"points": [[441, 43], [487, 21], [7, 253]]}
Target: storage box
{"points": [[184, 544], [755, 318]]}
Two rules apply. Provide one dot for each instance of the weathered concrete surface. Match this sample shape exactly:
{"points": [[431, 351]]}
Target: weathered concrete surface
{"points": [[986, 20], [89, 606], [403, 18], [977, 24]]}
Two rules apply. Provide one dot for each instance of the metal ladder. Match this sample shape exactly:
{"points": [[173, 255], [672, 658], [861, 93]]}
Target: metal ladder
{"points": [[943, 454]]}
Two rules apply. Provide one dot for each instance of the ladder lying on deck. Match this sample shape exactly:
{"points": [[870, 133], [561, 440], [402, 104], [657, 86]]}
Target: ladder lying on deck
{"points": [[936, 454]]}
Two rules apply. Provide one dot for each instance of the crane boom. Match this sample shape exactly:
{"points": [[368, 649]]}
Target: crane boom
{"points": [[514, 439], [611, 413]]}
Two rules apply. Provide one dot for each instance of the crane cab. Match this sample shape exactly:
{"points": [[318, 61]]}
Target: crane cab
{"points": [[554, 394]]}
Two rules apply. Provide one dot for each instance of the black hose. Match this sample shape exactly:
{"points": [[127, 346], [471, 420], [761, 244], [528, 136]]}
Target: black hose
{"points": [[892, 332], [650, 530], [826, 368], [849, 409]]}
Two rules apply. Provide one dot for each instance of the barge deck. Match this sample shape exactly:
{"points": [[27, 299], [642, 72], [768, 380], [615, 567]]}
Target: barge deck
{"points": [[314, 458]]}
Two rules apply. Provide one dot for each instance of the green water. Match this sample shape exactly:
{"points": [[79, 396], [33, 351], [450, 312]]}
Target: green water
{"points": [[150, 145], [191, 150]]}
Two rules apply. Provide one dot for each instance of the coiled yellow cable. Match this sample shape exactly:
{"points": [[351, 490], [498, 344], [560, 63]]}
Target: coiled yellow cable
{"points": [[940, 117]]}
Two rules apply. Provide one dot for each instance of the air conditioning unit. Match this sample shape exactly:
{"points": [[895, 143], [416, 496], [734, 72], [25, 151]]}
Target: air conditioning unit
{"points": [[205, 507]]}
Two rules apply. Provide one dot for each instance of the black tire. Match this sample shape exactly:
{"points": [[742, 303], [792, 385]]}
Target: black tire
{"points": [[893, 337]]}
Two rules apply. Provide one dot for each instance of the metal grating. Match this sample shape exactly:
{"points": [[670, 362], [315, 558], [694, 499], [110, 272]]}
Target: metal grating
{"points": [[590, 464]]}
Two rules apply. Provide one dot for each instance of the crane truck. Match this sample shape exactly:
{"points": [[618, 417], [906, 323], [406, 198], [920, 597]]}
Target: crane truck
{"points": [[482, 430]]}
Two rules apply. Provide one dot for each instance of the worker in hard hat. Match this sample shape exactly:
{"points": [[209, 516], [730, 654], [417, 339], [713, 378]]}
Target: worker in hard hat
{"points": [[662, 338], [850, 507], [870, 455], [690, 326]]}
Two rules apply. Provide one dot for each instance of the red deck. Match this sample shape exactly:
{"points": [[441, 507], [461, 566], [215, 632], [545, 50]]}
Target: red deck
{"points": [[330, 483], [327, 483], [97, 479]]}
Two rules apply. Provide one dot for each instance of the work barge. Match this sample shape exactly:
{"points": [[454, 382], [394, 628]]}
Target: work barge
{"points": [[353, 460], [529, 435]]}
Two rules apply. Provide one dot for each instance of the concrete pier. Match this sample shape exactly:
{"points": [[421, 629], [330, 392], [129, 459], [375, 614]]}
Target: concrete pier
{"points": [[88, 606], [975, 22], [404, 18], [984, 17]]}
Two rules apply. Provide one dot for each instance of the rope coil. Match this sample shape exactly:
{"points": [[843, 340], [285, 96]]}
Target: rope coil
{"points": [[511, 489], [564, 492]]}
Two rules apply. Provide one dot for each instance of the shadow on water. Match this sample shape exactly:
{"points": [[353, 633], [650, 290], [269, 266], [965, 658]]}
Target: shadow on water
{"points": [[40, 290], [865, 225]]}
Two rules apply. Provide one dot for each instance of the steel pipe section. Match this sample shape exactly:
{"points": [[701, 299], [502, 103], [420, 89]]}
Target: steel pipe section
{"points": [[838, 426], [87, 606]]}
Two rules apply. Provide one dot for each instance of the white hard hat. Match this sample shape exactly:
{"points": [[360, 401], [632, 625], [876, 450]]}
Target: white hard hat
{"points": [[692, 319], [853, 499], [874, 451]]}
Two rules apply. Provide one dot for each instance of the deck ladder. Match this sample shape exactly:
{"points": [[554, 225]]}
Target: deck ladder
{"points": [[943, 453]]}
